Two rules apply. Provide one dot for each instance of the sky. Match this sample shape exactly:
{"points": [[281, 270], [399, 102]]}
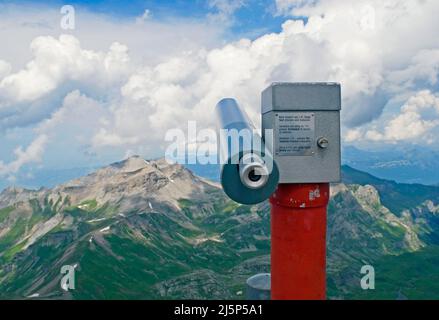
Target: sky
{"points": [[127, 71]]}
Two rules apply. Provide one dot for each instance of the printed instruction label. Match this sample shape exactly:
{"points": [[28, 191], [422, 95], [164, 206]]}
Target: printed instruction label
{"points": [[295, 133]]}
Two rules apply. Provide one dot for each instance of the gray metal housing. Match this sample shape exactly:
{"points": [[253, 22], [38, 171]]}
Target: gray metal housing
{"points": [[301, 115]]}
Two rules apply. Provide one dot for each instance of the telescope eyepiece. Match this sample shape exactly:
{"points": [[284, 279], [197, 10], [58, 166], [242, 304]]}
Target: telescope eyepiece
{"points": [[253, 176], [252, 171], [248, 180]]}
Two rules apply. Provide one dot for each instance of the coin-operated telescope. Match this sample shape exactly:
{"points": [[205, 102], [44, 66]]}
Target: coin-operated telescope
{"points": [[301, 138], [248, 172]]}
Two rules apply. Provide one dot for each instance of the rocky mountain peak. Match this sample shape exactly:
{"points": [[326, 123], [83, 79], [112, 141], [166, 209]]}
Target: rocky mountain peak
{"points": [[367, 194], [131, 164], [133, 184], [14, 194]]}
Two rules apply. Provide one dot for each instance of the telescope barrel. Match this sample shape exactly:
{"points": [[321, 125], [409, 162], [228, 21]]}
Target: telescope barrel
{"points": [[248, 172]]}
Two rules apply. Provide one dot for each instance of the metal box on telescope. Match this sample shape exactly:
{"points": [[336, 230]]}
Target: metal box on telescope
{"points": [[305, 119]]}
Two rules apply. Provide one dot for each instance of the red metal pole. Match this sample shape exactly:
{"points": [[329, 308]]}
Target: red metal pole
{"points": [[298, 241]]}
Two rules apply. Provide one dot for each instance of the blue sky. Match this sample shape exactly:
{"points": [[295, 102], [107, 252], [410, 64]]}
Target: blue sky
{"points": [[117, 82], [253, 18]]}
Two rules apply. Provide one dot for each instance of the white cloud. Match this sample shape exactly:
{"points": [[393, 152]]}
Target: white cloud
{"points": [[418, 121], [58, 60], [188, 87], [424, 66], [104, 138], [363, 44], [33, 153], [35, 81], [38, 88], [149, 42], [25, 96], [225, 10], [5, 69], [71, 128], [144, 17], [77, 111], [360, 44], [131, 99], [287, 7], [353, 135]]}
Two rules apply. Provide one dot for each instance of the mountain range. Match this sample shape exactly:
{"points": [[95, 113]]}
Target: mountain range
{"points": [[405, 164], [400, 163], [141, 229]]}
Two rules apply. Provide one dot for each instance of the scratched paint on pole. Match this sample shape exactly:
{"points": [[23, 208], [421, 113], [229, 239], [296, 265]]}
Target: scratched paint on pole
{"points": [[294, 133]]}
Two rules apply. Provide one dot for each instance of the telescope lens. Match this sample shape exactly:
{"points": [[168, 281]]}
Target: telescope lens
{"points": [[252, 171], [253, 176]]}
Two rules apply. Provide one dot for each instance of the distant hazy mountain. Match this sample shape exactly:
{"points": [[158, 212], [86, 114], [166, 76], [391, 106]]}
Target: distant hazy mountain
{"points": [[149, 230], [401, 164], [48, 178]]}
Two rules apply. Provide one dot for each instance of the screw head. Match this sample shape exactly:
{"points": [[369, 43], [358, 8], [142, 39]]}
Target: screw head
{"points": [[322, 142]]}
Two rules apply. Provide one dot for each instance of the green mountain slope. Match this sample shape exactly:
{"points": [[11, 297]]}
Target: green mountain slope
{"points": [[149, 230], [407, 276], [395, 196]]}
